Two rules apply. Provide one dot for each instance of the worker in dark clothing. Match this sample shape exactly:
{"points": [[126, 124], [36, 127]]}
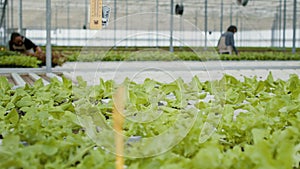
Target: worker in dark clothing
{"points": [[22, 44], [226, 41]]}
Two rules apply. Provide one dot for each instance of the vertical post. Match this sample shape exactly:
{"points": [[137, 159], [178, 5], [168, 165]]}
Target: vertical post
{"points": [[5, 23], [273, 30], [86, 20], [171, 27], [86, 14], [279, 22], [272, 34], [156, 23], [126, 23], [20, 17], [221, 18], [294, 26], [196, 19], [115, 24], [241, 33], [237, 19], [12, 14], [205, 25], [7, 17], [237, 24], [284, 24], [68, 21], [48, 37], [119, 100], [231, 14], [56, 32], [276, 28], [181, 27], [276, 33]]}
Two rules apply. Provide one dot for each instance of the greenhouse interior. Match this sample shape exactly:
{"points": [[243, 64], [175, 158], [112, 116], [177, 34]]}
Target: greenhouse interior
{"points": [[128, 84], [260, 23]]}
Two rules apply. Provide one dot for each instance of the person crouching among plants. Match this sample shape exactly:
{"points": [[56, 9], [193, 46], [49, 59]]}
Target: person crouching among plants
{"points": [[226, 41], [25, 46]]}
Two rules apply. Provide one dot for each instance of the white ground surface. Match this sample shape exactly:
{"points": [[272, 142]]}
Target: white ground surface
{"points": [[169, 71]]}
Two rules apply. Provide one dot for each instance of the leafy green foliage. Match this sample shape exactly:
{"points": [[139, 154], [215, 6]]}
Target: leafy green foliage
{"points": [[9, 53], [262, 56], [12, 59], [19, 61], [165, 55], [231, 124]]}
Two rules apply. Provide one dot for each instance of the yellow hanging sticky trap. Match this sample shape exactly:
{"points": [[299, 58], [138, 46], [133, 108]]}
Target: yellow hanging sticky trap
{"points": [[95, 14]]}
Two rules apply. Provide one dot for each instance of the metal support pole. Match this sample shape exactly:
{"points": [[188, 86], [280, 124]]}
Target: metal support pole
{"points": [[7, 18], [68, 22], [237, 23], [181, 28], [196, 20], [86, 14], [279, 22], [241, 32], [12, 14], [5, 23], [284, 24], [115, 24], [273, 30], [205, 25], [86, 22], [157, 23], [230, 14], [48, 37], [196, 24], [56, 29], [221, 18], [294, 26], [171, 27], [272, 34], [126, 23], [20, 17], [237, 19]]}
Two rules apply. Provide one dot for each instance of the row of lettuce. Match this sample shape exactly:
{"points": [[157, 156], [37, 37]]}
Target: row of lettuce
{"points": [[14, 59], [10, 59], [217, 124]]}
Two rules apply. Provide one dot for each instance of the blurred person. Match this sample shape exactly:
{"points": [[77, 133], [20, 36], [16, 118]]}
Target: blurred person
{"points": [[226, 41], [24, 45]]}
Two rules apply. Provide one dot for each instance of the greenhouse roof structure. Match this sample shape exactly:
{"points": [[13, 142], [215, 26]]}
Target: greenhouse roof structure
{"points": [[257, 14]]}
